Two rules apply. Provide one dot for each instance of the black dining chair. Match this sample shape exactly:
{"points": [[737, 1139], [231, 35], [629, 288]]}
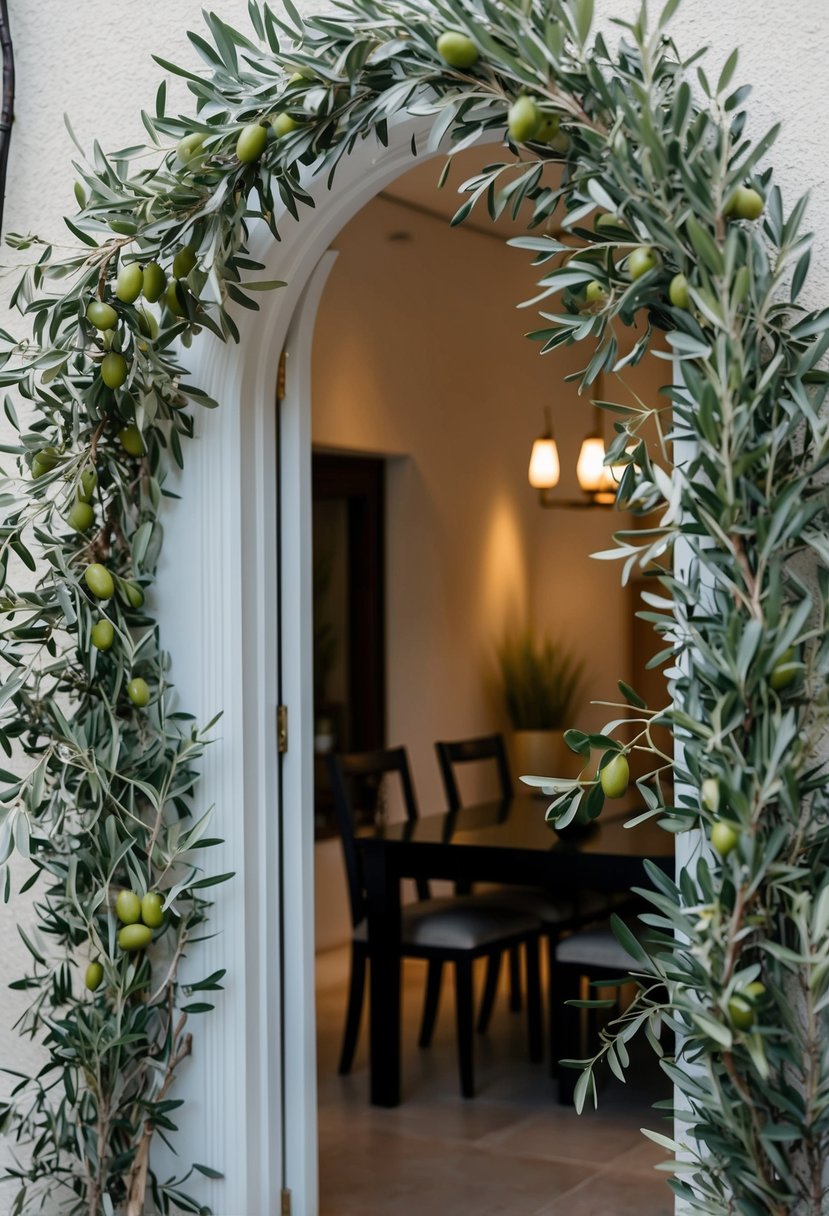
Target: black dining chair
{"points": [[594, 954], [557, 913], [456, 929]]}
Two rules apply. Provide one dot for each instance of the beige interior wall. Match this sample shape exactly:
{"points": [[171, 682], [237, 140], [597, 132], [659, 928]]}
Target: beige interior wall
{"points": [[420, 354]]}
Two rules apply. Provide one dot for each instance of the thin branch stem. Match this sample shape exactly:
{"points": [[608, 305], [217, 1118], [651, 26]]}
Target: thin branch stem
{"points": [[7, 109]]}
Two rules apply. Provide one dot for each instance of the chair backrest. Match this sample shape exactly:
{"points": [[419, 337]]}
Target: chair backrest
{"points": [[466, 751], [362, 773]]}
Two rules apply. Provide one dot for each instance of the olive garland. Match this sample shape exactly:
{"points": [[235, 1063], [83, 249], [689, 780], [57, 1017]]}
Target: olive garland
{"points": [[669, 225]]}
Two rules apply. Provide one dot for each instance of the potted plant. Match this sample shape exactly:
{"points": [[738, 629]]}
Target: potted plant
{"points": [[540, 684]]}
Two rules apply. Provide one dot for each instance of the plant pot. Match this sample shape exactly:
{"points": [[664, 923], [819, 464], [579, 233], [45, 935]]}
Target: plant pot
{"points": [[543, 753]]}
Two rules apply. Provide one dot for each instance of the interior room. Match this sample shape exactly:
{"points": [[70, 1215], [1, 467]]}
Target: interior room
{"points": [[433, 555]]}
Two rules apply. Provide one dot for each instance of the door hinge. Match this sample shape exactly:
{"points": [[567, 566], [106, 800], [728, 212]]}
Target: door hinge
{"points": [[281, 728], [286, 1203], [280, 377]]}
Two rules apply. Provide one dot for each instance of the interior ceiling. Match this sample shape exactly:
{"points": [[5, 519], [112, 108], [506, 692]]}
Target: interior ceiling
{"points": [[418, 189]]}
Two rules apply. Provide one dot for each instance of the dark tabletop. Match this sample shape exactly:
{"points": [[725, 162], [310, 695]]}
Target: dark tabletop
{"points": [[519, 823]]}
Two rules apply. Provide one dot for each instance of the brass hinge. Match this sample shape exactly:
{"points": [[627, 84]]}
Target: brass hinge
{"points": [[280, 378], [286, 1203], [281, 728]]}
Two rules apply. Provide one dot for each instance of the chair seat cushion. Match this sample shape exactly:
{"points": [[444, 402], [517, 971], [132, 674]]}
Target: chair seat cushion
{"points": [[595, 949], [551, 910], [457, 923]]}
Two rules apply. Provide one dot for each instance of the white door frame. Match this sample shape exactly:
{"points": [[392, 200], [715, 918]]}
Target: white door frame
{"points": [[217, 599], [217, 602]]}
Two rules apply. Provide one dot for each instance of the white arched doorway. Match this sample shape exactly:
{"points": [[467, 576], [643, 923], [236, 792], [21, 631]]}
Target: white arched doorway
{"points": [[236, 574], [231, 565]]}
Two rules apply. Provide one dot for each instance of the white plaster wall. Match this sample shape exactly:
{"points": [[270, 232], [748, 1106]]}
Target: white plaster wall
{"points": [[92, 60]]}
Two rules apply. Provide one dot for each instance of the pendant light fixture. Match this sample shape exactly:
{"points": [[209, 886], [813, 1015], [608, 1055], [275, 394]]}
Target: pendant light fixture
{"points": [[596, 479]]}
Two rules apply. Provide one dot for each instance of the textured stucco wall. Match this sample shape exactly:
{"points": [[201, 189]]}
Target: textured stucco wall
{"points": [[92, 60]]}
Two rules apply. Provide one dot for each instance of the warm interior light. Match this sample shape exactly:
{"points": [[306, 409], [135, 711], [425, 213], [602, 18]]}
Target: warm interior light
{"points": [[595, 477], [544, 464]]}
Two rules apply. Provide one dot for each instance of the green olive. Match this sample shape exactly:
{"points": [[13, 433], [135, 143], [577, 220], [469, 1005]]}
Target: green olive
{"points": [[99, 581], [547, 128], [152, 912], [711, 794], [458, 50], [785, 671], [189, 146], [93, 976], [131, 441], [44, 461], [138, 692], [88, 482], [128, 907], [283, 124], [641, 261], [102, 316], [132, 593], [81, 517], [607, 222], [523, 119], [114, 369], [725, 836], [147, 324], [615, 776], [678, 291], [251, 142], [130, 283], [745, 204], [174, 298], [594, 292], [103, 634], [741, 1012], [155, 280], [741, 1007], [183, 262], [135, 937]]}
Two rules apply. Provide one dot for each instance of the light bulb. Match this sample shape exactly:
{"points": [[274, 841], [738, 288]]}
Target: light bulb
{"points": [[595, 477], [544, 464]]}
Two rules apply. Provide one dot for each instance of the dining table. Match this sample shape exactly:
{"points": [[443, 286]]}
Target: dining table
{"points": [[503, 841]]}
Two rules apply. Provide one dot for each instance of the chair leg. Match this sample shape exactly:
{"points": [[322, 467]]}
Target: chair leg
{"points": [[430, 1002], [515, 979], [568, 1023], [493, 972], [464, 1014], [552, 1000], [355, 1009], [534, 1018]]}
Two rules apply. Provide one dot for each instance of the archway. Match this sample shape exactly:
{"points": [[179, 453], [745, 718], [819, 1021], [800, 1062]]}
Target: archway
{"points": [[239, 582], [731, 417]]}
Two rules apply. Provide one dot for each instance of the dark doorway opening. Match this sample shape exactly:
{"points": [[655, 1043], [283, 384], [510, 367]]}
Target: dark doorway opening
{"points": [[349, 615]]}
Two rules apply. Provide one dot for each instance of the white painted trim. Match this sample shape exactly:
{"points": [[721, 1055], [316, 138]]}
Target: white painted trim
{"points": [[299, 1010]]}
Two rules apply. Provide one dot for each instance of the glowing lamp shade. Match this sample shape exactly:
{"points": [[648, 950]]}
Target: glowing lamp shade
{"points": [[544, 464], [595, 477]]}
